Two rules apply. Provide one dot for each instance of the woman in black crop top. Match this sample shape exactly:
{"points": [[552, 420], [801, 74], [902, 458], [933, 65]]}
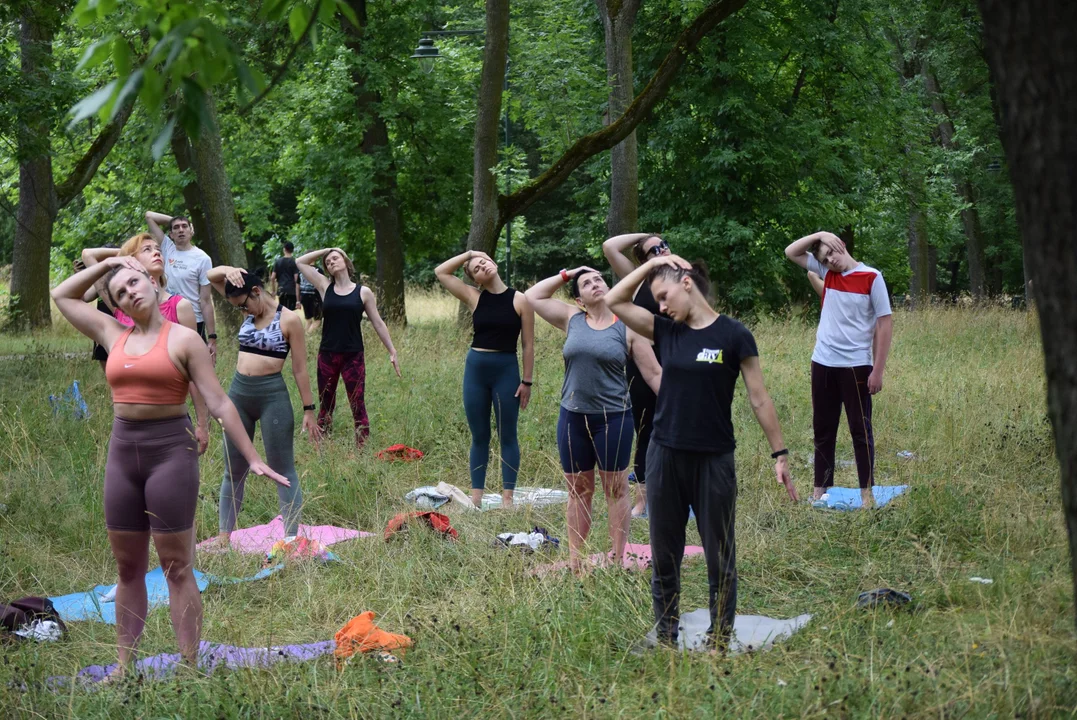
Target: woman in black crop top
{"points": [[643, 247], [500, 316], [691, 452], [267, 336], [341, 351]]}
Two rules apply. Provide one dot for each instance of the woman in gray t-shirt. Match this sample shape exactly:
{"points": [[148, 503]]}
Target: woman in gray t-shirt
{"points": [[595, 426]]}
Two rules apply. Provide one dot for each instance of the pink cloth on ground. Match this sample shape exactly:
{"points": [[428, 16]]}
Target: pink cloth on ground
{"points": [[260, 538], [637, 557]]}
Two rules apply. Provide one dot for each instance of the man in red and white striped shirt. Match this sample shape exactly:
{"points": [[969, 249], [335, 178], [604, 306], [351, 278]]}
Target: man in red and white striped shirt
{"points": [[851, 347]]}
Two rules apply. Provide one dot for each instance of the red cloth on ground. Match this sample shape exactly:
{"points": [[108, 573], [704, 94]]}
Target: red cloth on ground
{"points": [[435, 520], [361, 635], [400, 452]]}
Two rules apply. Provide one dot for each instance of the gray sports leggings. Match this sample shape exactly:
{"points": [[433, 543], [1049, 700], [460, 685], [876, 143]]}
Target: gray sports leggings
{"points": [[264, 398]]}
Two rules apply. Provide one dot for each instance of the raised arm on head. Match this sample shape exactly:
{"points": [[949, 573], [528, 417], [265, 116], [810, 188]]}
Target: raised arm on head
{"points": [[94, 256], [798, 250], [370, 305], [553, 311], [305, 263], [223, 274], [92, 323], [446, 275], [158, 223], [619, 300], [615, 248]]}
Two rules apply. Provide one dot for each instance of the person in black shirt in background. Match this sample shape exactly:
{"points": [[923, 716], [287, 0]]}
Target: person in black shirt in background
{"points": [[690, 460], [340, 354], [285, 278]]}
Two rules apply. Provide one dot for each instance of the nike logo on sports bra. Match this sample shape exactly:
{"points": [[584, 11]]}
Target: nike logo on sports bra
{"points": [[126, 366]]}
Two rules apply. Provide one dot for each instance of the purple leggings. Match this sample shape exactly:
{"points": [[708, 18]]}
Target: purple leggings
{"points": [[332, 366], [151, 477]]}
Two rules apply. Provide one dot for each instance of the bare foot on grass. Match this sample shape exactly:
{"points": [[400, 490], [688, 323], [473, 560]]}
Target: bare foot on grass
{"points": [[867, 499]]}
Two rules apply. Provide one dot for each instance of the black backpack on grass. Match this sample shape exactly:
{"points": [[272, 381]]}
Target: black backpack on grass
{"points": [[20, 613]]}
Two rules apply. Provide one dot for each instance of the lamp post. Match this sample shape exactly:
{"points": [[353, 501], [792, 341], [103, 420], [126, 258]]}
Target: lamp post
{"points": [[427, 53]]}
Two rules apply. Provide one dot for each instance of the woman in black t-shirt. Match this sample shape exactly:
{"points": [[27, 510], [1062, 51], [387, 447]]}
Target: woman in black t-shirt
{"points": [[690, 460], [341, 352]]}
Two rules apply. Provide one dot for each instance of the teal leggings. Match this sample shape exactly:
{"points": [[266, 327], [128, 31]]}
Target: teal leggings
{"points": [[262, 399], [490, 381]]}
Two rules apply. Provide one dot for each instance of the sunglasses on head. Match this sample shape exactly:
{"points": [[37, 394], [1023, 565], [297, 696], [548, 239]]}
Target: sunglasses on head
{"points": [[656, 250]]}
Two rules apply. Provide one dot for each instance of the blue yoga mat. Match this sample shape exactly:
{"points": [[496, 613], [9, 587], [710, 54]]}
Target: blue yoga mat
{"points": [[842, 498], [78, 607]]}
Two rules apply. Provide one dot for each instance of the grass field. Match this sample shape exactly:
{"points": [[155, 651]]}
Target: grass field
{"points": [[964, 392]]}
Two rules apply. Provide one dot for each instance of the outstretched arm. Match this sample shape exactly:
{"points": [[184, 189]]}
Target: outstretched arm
{"points": [[87, 319], [614, 249], [643, 353], [763, 407], [370, 304], [798, 249], [292, 327], [307, 269], [195, 356], [884, 335], [555, 312], [527, 345], [445, 273]]}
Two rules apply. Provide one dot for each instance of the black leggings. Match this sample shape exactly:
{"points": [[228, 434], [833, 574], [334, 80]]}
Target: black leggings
{"points": [[831, 388], [643, 404]]}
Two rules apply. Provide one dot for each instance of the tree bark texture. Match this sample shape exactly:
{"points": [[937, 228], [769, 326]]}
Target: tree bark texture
{"points": [[1031, 47], [970, 217], [590, 145], [40, 199], [192, 194], [385, 213], [216, 192], [618, 19], [919, 255], [486, 222]]}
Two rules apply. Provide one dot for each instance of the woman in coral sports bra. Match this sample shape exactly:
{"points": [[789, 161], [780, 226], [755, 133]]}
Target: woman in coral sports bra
{"points": [[151, 476]]}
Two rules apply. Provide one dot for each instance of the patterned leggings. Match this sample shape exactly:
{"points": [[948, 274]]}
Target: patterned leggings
{"points": [[331, 367]]}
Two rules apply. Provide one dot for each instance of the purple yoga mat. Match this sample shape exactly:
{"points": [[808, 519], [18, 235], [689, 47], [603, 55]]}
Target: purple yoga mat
{"points": [[210, 657], [260, 538]]}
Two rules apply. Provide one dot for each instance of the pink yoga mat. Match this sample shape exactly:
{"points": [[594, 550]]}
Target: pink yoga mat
{"points": [[260, 538], [637, 557]]}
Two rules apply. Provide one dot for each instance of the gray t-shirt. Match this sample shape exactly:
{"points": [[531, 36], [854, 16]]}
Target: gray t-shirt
{"points": [[187, 271], [595, 379]]}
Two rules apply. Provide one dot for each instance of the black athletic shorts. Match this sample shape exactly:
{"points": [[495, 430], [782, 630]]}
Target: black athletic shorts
{"points": [[312, 306]]}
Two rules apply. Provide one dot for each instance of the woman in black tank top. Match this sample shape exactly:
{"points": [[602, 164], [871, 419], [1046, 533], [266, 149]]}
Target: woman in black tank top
{"points": [[500, 316], [341, 352], [643, 246]]}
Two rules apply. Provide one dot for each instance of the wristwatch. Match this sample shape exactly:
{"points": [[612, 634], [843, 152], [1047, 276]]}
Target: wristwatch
{"points": [[776, 455], [564, 276], [212, 336], [310, 407]]}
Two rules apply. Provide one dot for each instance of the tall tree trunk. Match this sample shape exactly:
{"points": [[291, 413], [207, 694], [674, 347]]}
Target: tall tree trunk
{"points": [[1032, 48], [192, 194], [216, 192], [920, 254], [970, 217], [40, 198], [385, 212], [37, 194], [484, 197], [618, 19]]}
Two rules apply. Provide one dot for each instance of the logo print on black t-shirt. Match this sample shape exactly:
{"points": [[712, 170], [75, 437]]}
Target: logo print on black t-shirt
{"points": [[709, 356]]}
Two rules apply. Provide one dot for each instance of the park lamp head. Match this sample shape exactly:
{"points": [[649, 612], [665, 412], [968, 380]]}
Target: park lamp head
{"points": [[426, 53]]}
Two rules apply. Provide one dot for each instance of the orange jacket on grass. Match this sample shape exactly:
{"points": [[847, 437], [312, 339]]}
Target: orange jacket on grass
{"points": [[361, 635]]}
